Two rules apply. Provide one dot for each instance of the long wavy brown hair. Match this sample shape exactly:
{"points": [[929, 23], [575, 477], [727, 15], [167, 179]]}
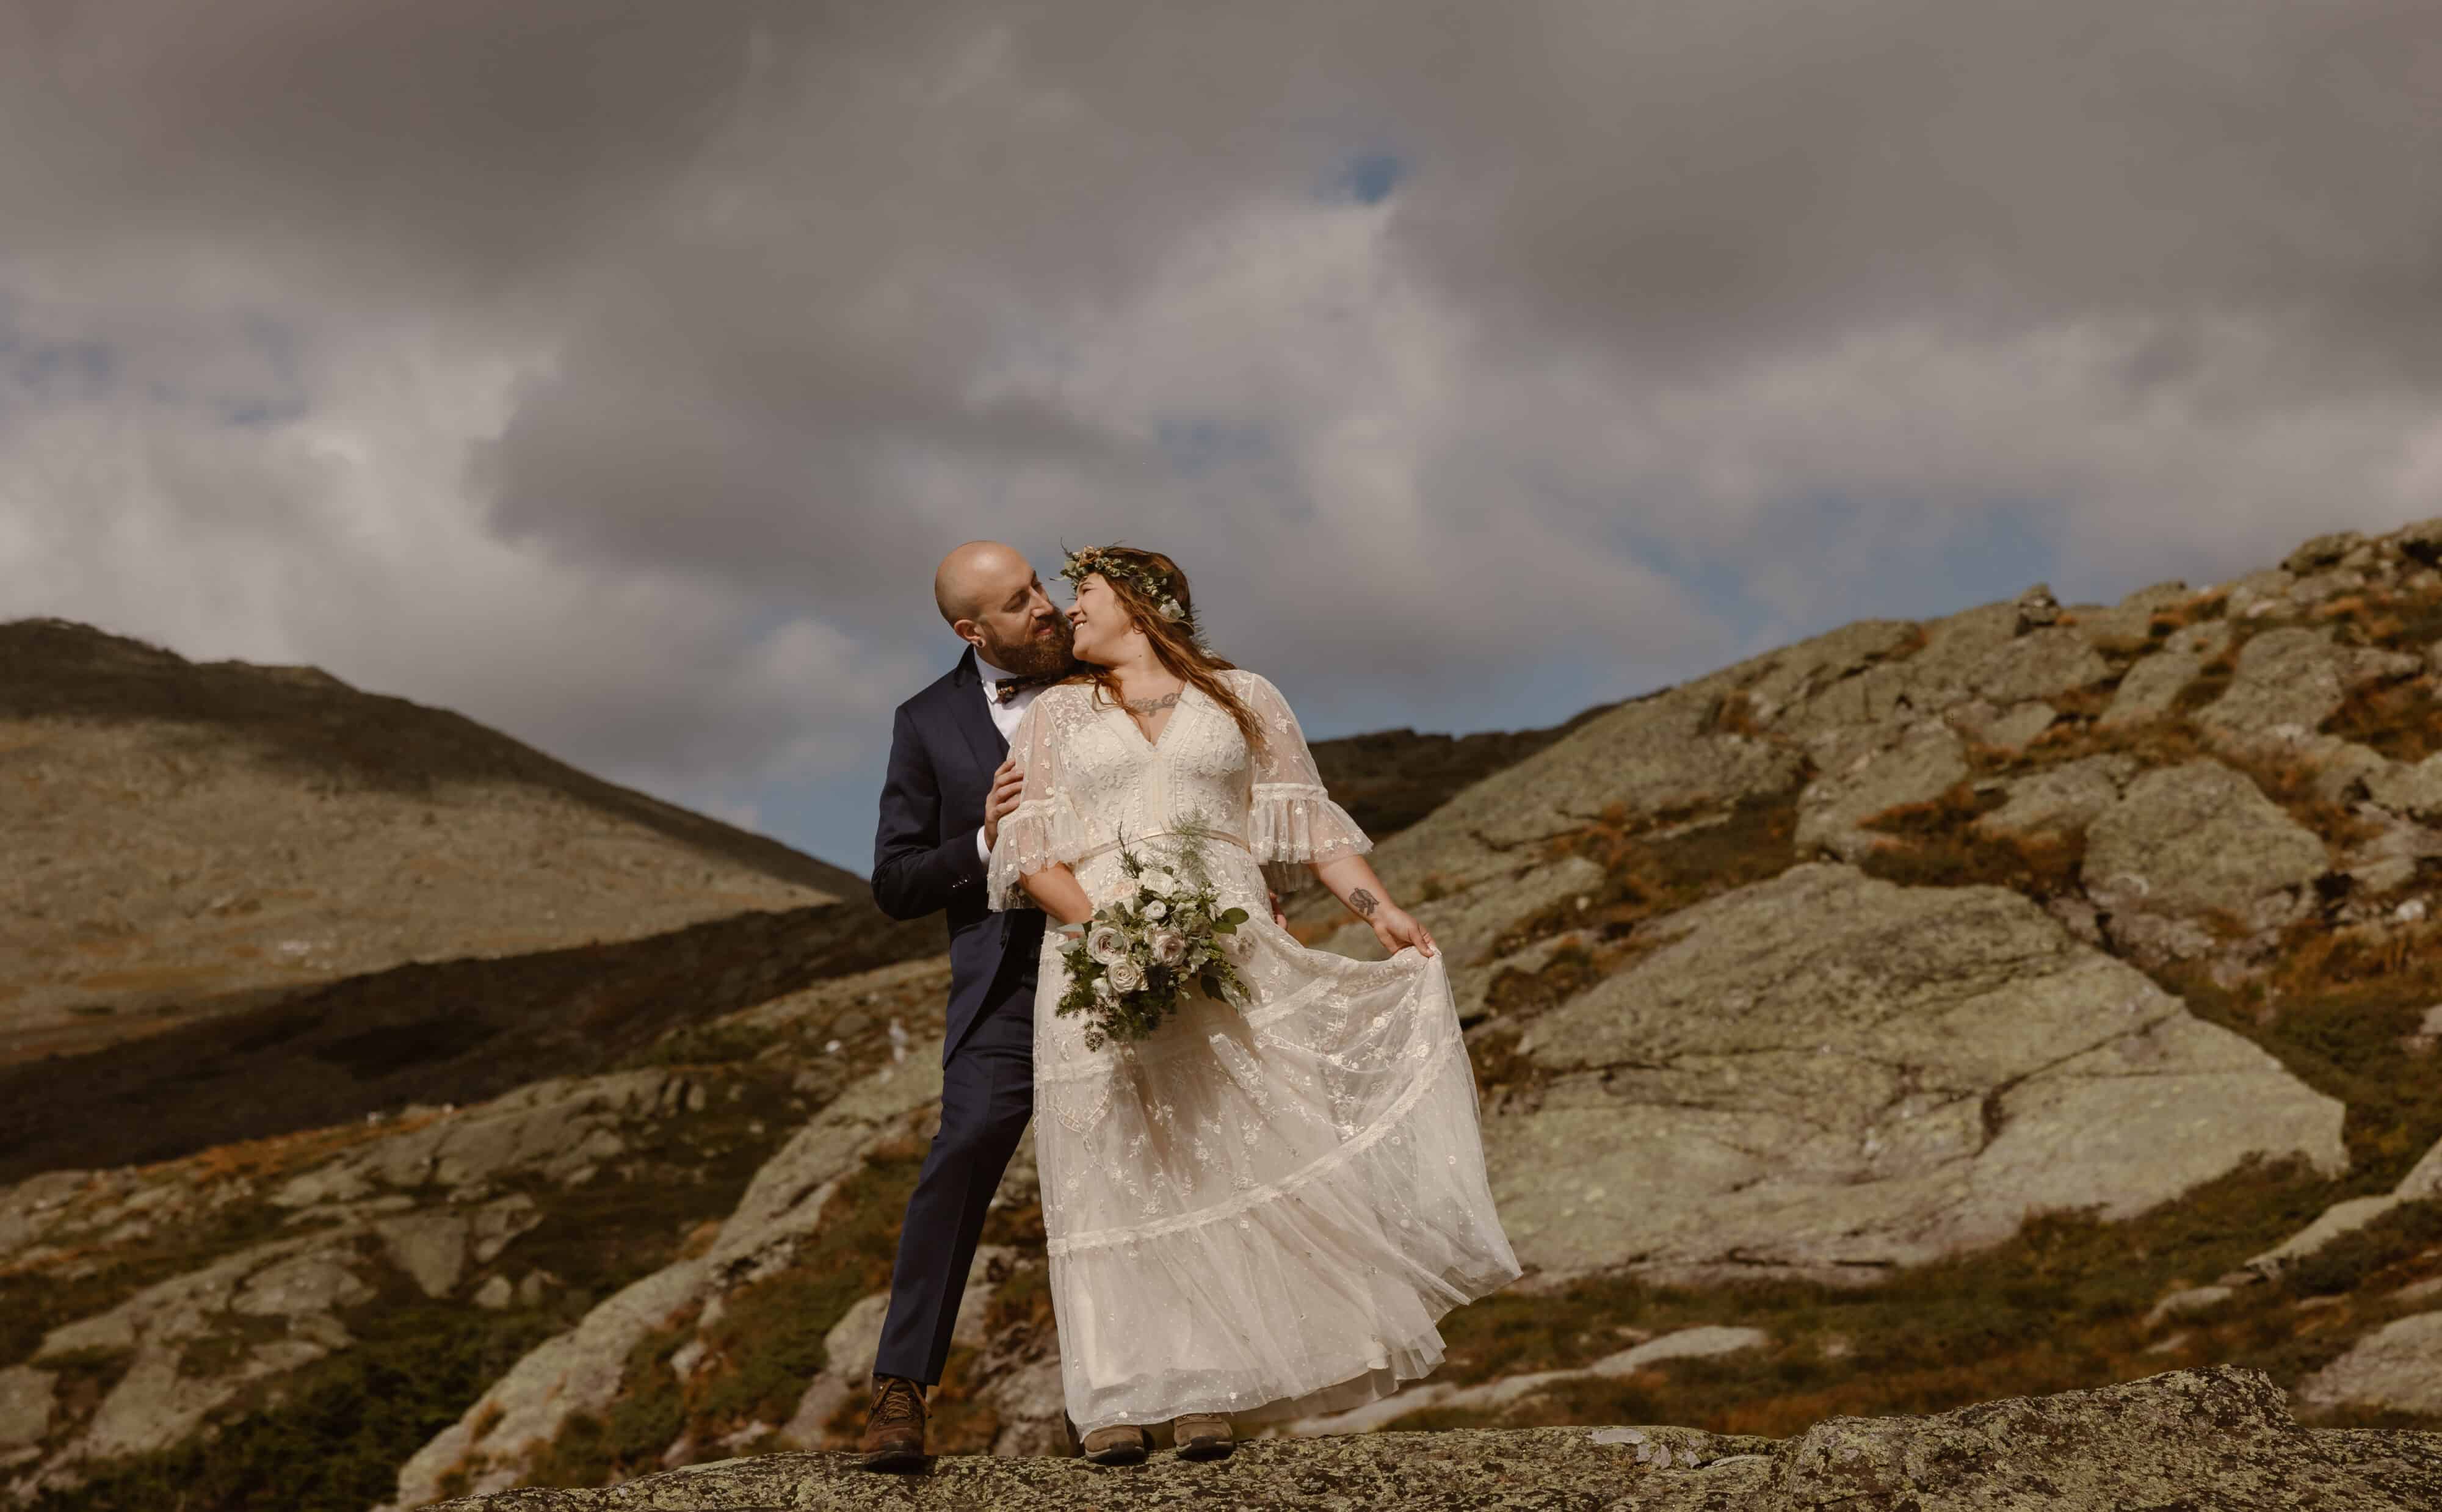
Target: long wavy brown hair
{"points": [[1174, 645]]}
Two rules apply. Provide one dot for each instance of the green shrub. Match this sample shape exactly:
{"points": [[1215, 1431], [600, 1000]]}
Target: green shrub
{"points": [[2357, 1261], [770, 1337]]}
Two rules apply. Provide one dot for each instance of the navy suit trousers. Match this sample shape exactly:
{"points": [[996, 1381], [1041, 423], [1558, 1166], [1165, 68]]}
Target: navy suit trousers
{"points": [[987, 1094]]}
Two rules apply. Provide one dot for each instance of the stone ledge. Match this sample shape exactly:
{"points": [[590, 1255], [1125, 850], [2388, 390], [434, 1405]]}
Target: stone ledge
{"points": [[2221, 1437]]}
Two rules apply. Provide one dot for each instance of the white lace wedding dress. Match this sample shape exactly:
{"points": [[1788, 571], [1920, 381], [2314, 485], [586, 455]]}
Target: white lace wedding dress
{"points": [[1259, 1213]]}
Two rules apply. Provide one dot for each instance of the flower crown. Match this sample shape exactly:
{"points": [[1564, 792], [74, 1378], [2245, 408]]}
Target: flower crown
{"points": [[1146, 581]]}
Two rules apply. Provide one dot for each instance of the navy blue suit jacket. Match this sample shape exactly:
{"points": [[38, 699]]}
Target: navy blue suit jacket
{"points": [[943, 748]]}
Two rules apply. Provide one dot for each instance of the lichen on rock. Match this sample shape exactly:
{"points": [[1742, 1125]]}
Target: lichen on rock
{"points": [[2218, 1437]]}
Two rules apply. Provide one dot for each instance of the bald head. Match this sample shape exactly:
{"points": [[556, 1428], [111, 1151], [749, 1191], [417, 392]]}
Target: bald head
{"points": [[992, 598], [976, 576]]}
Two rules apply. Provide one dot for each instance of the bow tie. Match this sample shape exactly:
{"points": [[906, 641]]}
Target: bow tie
{"points": [[1010, 688]]}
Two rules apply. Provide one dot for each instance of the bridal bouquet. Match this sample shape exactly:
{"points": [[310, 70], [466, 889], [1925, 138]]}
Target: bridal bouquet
{"points": [[1141, 952]]}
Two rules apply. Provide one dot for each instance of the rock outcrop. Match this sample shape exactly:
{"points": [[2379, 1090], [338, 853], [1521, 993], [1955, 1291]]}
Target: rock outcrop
{"points": [[1701, 1343], [2065, 799], [2297, 677], [1921, 762], [2151, 688], [298, 1285], [2412, 791], [2193, 854], [1830, 1075], [1467, 931], [586, 1370], [432, 1204], [2398, 1368]]}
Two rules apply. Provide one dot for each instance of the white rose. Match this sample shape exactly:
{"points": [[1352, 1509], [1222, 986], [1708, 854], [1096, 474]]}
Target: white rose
{"points": [[1159, 882], [1106, 944], [1125, 976], [1169, 946], [1157, 910]]}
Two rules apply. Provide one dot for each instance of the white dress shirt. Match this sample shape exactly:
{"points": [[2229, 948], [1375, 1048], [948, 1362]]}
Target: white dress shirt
{"points": [[1004, 716]]}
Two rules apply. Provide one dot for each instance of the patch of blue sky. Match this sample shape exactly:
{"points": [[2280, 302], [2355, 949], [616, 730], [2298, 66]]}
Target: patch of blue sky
{"points": [[258, 414], [260, 409], [2004, 551], [1876, 558], [59, 370], [280, 398], [277, 340], [831, 818], [1368, 178], [1713, 581], [45, 367]]}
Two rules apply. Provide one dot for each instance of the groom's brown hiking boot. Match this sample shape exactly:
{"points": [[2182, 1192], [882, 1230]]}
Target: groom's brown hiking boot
{"points": [[894, 1426]]}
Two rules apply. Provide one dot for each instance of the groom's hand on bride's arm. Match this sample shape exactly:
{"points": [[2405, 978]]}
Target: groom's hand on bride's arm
{"points": [[1057, 892], [1007, 781]]}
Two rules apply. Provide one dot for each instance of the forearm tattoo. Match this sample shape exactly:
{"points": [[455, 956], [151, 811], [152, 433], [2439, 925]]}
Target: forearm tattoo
{"points": [[1364, 903]]}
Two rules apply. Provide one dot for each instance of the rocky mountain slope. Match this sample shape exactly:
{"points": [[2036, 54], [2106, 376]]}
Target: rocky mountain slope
{"points": [[188, 838], [2021, 1002]]}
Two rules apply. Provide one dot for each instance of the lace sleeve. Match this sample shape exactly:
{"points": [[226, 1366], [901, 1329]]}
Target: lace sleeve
{"points": [[1045, 829], [1292, 821]]}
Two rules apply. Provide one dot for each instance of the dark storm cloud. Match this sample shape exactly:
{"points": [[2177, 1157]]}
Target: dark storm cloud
{"points": [[1703, 181], [425, 150]]}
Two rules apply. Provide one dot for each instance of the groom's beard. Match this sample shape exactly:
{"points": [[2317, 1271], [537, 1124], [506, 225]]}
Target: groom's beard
{"points": [[1037, 653]]}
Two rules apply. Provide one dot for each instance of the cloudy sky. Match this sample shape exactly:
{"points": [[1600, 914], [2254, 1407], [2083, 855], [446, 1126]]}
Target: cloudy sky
{"points": [[615, 373]]}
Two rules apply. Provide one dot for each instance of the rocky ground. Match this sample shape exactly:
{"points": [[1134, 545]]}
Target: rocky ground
{"points": [[2012, 1004], [2220, 1438]]}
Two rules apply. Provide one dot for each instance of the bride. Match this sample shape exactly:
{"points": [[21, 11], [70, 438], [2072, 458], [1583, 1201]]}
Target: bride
{"points": [[1257, 1211]]}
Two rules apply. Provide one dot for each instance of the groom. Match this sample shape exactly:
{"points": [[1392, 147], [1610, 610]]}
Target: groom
{"points": [[949, 786]]}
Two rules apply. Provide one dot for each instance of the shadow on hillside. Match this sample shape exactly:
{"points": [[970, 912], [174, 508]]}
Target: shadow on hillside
{"points": [[1389, 779], [451, 1032]]}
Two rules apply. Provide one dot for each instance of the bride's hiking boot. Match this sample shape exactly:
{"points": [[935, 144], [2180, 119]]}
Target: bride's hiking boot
{"points": [[894, 1426], [1120, 1443], [1201, 1435]]}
